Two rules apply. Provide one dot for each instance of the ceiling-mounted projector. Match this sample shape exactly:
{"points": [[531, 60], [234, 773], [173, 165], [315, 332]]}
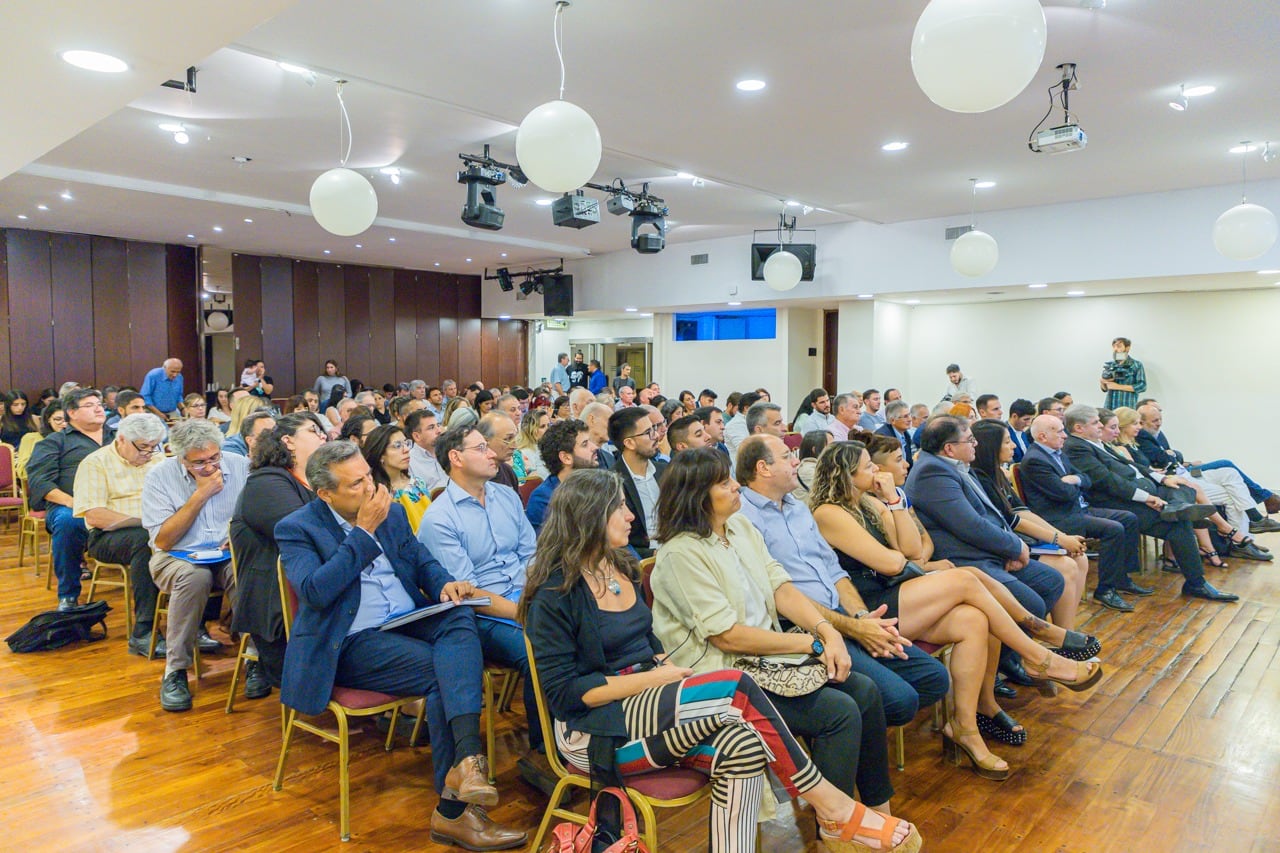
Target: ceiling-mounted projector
{"points": [[1059, 140]]}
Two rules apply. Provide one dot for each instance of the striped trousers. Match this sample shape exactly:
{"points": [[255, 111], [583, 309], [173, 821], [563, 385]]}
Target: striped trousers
{"points": [[721, 724]]}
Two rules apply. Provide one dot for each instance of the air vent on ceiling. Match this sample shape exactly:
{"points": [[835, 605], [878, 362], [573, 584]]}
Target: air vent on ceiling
{"points": [[698, 260], [956, 231]]}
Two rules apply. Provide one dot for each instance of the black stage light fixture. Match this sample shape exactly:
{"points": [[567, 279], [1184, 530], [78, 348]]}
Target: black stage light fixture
{"points": [[504, 279], [481, 209], [575, 210], [648, 215]]}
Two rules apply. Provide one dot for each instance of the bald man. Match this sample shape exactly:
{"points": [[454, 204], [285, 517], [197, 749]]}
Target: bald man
{"points": [[162, 389]]}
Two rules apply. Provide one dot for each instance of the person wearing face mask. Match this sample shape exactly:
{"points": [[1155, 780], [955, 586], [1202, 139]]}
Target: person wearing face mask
{"points": [[1123, 378]]}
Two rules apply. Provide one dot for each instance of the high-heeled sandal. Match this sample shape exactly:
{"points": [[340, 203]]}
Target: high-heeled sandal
{"points": [[1211, 557], [1003, 728], [1078, 646], [839, 838], [1245, 539], [1085, 678], [954, 751]]}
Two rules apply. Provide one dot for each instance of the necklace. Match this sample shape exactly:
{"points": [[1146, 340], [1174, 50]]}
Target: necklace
{"points": [[607, 579]]}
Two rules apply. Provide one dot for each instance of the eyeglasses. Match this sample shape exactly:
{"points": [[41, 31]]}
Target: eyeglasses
{"points": [[651, 432], [197, 464], [146, 451], [483, 448], [90, 404], [402, 444], [969, 440]]}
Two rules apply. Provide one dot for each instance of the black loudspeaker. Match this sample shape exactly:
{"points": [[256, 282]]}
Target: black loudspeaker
{"points": [[557, 296]]}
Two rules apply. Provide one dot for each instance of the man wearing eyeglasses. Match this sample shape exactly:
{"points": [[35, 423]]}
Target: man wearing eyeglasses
{"points": [[51, 477], [636, 437], [500, 432], [187, 503], [108, 496]]}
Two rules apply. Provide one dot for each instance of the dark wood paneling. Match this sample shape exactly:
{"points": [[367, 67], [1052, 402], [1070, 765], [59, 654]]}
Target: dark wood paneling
{"points": [[306, 329], [469, 366], [6, 375], [333, 327], [356, 301], [149, 339], [72, 308], [111, 331], [512, 354], [382, 326], [31, 330], [277, 322], [444, 305], [182, 296], [246, 296], [489, 364], [405, 293]]}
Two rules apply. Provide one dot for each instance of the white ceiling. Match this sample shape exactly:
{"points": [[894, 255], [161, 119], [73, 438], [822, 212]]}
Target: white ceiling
{"points": [[428, 80]]}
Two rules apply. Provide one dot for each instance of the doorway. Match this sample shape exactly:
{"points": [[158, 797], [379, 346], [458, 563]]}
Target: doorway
{"points": [[830, 347]]}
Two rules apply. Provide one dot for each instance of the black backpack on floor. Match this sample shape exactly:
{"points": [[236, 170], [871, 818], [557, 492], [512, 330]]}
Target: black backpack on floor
{"points": [[58, 628]]}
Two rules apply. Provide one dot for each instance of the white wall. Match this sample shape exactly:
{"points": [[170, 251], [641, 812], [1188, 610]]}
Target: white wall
{"points": [[591, 329], [723, 366], [544, 346], [804, 371]]}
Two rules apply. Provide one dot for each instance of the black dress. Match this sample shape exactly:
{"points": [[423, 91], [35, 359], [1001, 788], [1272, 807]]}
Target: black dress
{"points": [[869, 583]]}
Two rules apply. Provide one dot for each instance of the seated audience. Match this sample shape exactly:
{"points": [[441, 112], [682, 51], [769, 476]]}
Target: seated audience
{"points": [[1051, 406], [713, 426], [1115, 484], [221, 411], [386, 450], [814, 412], [353, 561], [596, 417], [16, 421], [478, 531], [811, 447], [565, 447], [718, 595], [423, 428], [686, 433], [626, 397], [687, 402], [483, 402], [187, 503], [898, 425], [452, 408], [500, 431], [509, 405], [108, 496], [243, 406], [532, 427], [128, 402], [962, 409], [848, 412], [640, 470], [254, 424], [707, 398], [1021, 413], [871, 419], [276, 486], [736, 429], [579, 399], [601, 666], [765, 418], [357, 429], [52, 419]]}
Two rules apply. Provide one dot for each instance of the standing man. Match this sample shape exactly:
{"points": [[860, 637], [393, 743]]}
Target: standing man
{"points": [[162, 389], [636, 438], [265, 385], [596, 380], [578, 372], [187, 504], [624, 379], [957, 383], [51, 477], [423, 428], [560, 375], [108, 496], [1123, 378], [871, 419]]}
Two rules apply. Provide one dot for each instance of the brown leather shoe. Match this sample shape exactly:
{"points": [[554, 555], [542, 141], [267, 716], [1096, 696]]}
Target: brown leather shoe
{"points": [[468, 780], [474, 830], [1272, 504]]}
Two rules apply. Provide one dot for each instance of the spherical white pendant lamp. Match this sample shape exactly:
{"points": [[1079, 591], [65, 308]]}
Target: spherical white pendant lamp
{"points": [[974, 253], [1245, 232], [343, 202], [782, 270], [558, 146]]}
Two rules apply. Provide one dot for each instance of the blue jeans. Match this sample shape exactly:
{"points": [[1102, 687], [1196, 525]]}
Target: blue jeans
{"points": [[68, 536], [503, 644], [1258, 493]]}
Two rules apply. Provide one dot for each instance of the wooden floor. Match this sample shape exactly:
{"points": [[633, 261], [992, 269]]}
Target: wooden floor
{"points": [[1178, 749]]}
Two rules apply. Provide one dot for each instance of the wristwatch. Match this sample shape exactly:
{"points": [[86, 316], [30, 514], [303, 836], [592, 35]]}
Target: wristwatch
{"points": [[817, 648], [860, 614]]}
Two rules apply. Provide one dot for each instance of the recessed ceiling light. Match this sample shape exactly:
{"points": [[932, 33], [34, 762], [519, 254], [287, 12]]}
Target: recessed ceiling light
{"points": [[42, 207], [1075, 293], [91, 60], [437, 263], [241, 159], [191, 236], [1036, 286], [181, 137], [631, 310], [750, 85], [171, 127], [359, 245], [984, 185], [913, 301], [1268, 272], [685, 176], [895, 146], [247, 219], [391, 239], [1198, 91], [22, 216], [468, 260], [326, 251], [65, 195], [504, 254], [544, 202], [504, 316], [218, 228], [643, 314], [792, 203], [865, 295], [293, 69], [735, 303], [1243, 148]]}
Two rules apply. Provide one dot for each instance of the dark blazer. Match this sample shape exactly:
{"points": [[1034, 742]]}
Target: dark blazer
{"points": [[639, 533], [268, 496], [963, 527], [909, 450], [1155, 452], [1042, 486], [1164, 442], [1111, 481], [1021, 440], [323, 565]]}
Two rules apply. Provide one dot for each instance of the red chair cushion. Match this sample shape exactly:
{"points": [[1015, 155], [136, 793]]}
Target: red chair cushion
{"points": [[7, 502], [351, 697], [38, 516], [669, 784], [792, 440], [927, 648]]}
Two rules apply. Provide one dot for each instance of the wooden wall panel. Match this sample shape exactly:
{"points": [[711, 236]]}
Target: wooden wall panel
{"points": [[356, 301], [277, 323], [382, 328], [111, 331], [512, 354], [308, 362], [148, 310], [6, 375], [469, 365], [31, 312], [332, 323], [444, 304], [182, 296], [489, 363], [71, 298], [246, 296], [405, 296]]}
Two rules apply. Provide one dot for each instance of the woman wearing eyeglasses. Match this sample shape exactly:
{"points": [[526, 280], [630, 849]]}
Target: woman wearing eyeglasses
{"points": [[386, 449], [276, 486]]}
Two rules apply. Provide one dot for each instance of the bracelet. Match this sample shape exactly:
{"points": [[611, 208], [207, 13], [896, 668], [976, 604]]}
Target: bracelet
{"points": [[861, 613], [897, 506], [1055, 538], [819, 625]]}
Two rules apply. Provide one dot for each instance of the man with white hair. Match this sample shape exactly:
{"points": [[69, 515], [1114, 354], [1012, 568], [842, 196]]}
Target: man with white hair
{"points": [[626, 397], [596, 417], [897, 415], [187, 503], [108, 496], [848, 410], [162, 388], [579, 399]]}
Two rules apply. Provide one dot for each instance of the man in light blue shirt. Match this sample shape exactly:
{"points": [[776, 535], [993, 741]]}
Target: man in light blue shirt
{"points": [[560, 375], [162, 388], [907, 677], [478, 531]]}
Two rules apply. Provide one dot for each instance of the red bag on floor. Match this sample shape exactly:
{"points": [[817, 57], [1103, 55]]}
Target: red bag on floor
{"points": [[571, 838]]}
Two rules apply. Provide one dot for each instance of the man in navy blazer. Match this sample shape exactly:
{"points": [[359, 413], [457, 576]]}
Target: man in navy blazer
{"points": [[353, 561], [1055, 490], [965, 527], [898, 425]]}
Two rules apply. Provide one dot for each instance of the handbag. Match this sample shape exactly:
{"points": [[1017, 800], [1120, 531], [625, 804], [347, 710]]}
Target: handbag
{"points": [[785, 675], [909, 571], [568, 837]]}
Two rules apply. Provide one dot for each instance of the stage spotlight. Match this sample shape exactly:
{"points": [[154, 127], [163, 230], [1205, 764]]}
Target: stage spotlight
{"points": [[648, 215], [481, 209], [504, 279]]}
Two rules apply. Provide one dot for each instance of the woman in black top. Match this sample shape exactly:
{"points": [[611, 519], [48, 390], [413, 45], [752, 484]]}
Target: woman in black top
{"points": [[619, 708], [17, 420], [994, 451], [276, 486]]}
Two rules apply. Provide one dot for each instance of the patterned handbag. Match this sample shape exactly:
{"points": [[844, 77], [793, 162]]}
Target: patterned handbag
{"points": [[570, 838]]}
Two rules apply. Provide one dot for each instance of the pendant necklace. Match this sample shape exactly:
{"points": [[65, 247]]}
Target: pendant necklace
{"points": [[611, 582]]}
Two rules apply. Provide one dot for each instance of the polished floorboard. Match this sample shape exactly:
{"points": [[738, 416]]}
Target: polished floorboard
{"points": [[1178, 749]]}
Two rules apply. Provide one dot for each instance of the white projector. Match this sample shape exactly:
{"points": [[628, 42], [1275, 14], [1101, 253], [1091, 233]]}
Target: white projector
{"points": [[1060, 140]]}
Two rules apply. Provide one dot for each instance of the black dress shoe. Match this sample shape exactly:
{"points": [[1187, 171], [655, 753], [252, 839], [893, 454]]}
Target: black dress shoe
{"points": [[1014, 671], [1206, 591], [207, 643], [174, 693], [1187, 512], [1250, 552], [1111, 599], [1267, 525], [70, 602], [256, 685], [138, 645], [1003, 690], [1133, 589]]}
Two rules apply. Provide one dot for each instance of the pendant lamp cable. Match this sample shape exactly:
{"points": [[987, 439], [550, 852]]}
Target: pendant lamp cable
{"points": [[1244, 170], [344, 125], [973, 205], [557, 32]]}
